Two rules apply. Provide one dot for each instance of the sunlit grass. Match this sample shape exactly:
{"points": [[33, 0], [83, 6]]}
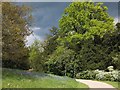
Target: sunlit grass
{"points": [[114, 84], [23, 79], [0, 78]]}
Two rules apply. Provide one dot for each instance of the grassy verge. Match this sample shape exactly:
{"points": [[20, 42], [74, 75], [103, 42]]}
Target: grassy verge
{"points": [[114, 84], [23, 79], [0, 78]]}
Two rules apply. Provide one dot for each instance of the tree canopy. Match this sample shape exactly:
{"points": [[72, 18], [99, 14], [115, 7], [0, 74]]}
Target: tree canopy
{"points": [[15, 22], [85, 20], [87, 39]]}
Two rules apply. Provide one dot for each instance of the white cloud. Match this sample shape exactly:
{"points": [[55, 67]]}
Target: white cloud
{"points": [[30, 39], [38, 33], [116, 20], [35, 28]]}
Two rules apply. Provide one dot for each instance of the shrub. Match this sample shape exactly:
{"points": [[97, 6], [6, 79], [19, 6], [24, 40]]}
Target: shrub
{"points": [[110, 68], [108, 76], [115, 75], [36, 56], [86, 75], [112, 75]]}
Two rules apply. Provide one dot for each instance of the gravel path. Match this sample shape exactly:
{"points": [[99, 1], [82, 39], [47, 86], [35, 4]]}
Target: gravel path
{"points": [[95, 85]]}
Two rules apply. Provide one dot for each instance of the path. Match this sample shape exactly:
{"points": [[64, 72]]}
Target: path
{"points": [[95, 85]]}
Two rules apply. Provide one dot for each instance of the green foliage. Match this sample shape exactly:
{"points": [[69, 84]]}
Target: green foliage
{"points": [[39, 52], [112, 45], [116, 60], [35, 56], [14, 32], [50, 43], [93, 57], [61, 62], [86, 19], [108, 76], [86, 75], [85, 40], [24, 79], [87, 31], [99, 75]]}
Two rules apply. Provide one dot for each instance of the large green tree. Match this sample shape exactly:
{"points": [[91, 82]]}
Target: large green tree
{"points": [[83, 29], [15, 22], [84, 20]]}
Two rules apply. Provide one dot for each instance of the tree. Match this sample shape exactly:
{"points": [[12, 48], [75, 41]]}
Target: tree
{"points": [[51, 43], [61, 62], [87, 28], [93, 56], [85, 40], [84, 20], [36, 56], [113, 45], [15, 22]]}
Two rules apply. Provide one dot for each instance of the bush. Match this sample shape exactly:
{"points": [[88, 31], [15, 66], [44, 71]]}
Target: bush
{"points": [[86, 75], [112, 75], [61, 62], [36, 56], [108, 76], [110, 68], [100, 76]]}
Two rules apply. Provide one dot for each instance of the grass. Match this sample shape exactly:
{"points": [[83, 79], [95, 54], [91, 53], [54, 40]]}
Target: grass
{"points": [[114, 84], [24, 79], [0, 78]]}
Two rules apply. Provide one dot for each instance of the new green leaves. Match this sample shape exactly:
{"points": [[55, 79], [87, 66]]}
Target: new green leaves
{"points": [[86, 19]]}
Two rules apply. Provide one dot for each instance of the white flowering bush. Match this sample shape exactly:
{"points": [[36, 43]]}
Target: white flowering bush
{"points": [[110, 68], [100, 76], [98, 71], [108, 76], [112, 75]]}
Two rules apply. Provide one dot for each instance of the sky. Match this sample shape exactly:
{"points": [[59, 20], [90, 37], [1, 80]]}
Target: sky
{"points": [[47, 14]]}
